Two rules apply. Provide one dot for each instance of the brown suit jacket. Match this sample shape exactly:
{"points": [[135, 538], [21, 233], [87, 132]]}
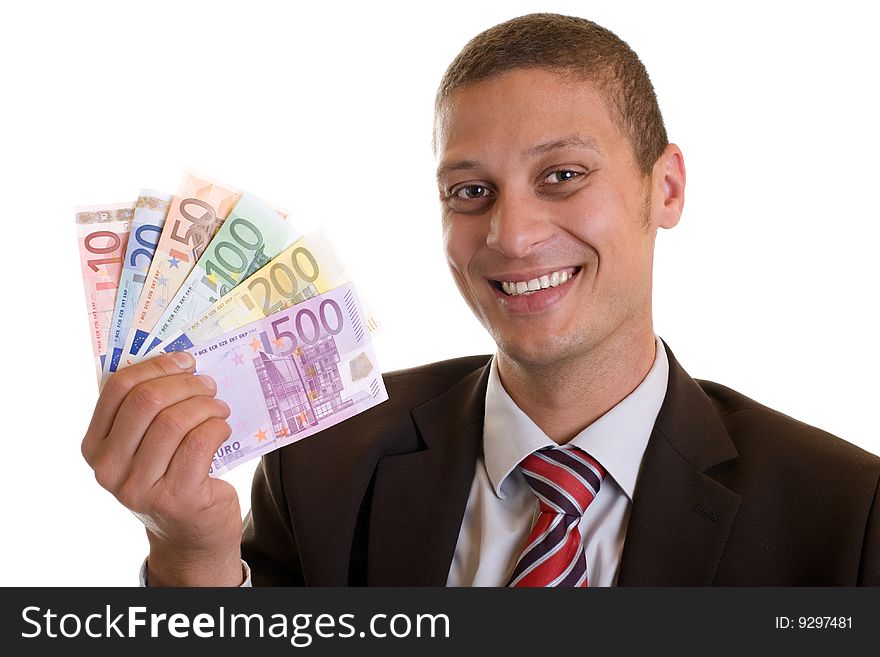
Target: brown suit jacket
{"points": [[730, 493]]}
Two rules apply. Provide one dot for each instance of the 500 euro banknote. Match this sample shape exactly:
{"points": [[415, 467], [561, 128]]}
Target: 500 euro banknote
{"points": [[292, 374]]}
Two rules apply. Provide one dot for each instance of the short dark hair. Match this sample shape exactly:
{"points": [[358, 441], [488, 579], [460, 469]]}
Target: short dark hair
{"points": [[573, 46]]}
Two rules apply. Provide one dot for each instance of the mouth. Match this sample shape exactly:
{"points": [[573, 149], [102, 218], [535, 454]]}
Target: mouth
{"points": [[531, 283]]}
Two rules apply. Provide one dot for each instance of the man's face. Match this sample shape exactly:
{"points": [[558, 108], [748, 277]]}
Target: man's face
{"points": [[540, 189]]}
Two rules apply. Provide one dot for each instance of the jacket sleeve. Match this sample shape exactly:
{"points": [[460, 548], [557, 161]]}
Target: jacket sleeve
{"points": [[869, 571], [268, 544]]}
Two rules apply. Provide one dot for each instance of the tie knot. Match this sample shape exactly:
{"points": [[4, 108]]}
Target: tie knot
{"points": [[565, 479]]}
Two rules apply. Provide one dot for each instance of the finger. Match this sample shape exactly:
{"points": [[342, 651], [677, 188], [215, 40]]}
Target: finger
{"points": [[141, 408], [192, 460], [165, 434], [119, 386]]}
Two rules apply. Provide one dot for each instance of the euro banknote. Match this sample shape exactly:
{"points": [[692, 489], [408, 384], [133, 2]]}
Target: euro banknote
{"points": [[102, 235], [305, 269], [196, 212], [146, 226], [292, 374], [251, 235]]}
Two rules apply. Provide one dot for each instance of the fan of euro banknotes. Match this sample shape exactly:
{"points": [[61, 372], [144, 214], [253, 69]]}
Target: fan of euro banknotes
{"points": [[269, 313]]}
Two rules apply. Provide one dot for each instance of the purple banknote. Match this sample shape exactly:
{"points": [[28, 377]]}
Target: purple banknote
{"points": [[292, 374]]}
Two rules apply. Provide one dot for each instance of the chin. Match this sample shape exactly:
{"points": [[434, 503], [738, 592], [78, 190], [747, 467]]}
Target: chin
{"points": [[539, 352]]}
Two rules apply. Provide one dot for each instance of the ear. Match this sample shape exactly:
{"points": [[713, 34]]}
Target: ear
{"points": [[668, 181]]}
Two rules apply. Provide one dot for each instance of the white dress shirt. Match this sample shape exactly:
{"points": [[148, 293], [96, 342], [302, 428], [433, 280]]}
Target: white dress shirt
{"points": [[142, 577], [502, 508]]}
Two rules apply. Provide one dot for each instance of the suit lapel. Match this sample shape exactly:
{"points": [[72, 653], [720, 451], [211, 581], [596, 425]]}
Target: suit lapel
{"points": [[680, 517], [419, 498], [678, 526]]}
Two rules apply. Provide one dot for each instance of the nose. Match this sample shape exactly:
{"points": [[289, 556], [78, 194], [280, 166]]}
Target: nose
{"points": [[518, 224]]}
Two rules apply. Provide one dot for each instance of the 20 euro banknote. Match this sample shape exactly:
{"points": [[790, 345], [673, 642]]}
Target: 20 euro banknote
{"points": [[146, 226]]}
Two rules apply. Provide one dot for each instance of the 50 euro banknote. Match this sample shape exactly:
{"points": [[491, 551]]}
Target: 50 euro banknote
{"points": [[292, 374], [195, 214]]}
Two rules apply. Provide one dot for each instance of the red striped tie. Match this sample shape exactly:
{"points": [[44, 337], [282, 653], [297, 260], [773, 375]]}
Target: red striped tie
{"points": [[566, 480]]}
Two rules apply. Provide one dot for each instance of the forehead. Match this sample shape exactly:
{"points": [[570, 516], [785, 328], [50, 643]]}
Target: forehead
{"points": [[522, 108]]}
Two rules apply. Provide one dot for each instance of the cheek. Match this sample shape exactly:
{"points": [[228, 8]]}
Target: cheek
{"points": [[609, 224], [461, 240]]}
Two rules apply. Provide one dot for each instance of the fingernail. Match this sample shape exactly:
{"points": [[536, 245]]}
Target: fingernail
{"points": [[184, 360], [208, 382]]}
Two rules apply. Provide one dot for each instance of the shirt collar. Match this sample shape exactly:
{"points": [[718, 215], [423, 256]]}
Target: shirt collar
{"points": [[617, 440]]}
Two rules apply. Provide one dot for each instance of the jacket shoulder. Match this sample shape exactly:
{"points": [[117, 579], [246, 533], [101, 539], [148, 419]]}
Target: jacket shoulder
{"points": [[756, 427], [810, 501]]}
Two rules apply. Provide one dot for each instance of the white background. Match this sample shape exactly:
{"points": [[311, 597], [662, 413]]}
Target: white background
{"points": [[768, 284]]}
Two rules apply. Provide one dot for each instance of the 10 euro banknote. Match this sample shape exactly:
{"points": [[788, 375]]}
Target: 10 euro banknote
{"points": [[102, 235]]}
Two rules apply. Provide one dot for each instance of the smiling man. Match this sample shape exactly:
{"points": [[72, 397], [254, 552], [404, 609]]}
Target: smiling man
{"points": [[549, 223], [581, 453]]}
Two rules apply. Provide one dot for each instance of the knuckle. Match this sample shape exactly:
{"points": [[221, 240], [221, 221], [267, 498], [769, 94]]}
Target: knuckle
{"points": [[120, 383], [153, 367], [106, 474], [86, 449], [130, 495], [147, 399], [203, 441], [171, 422], [198, 444]]}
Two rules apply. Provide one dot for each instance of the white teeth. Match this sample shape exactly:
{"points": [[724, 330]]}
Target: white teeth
{"points": [[528, 287]]}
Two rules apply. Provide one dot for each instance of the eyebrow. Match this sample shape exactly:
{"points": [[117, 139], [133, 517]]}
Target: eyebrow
{"points": [[456, 166], [579, 141]]}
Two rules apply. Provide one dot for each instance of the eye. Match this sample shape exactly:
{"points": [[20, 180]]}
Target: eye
{"points": [[469, 197], [561, 176], [471, 191]]}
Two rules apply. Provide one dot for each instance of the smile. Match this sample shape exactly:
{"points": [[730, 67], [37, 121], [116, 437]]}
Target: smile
{"points": [[528, 287]]}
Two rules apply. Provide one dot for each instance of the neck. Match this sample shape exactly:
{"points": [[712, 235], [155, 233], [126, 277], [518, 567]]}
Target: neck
{"points": [[598, 380]]}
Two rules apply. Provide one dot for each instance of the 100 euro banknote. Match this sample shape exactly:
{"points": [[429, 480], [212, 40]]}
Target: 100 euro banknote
{"points": [[250, 237], [292, 374], [102, 235]]}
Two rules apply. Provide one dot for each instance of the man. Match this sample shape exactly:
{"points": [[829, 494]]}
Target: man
{"points": [[581, 453]]}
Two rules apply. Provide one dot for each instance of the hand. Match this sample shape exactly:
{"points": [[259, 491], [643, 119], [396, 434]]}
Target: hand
{"points": [[155, 428]]}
